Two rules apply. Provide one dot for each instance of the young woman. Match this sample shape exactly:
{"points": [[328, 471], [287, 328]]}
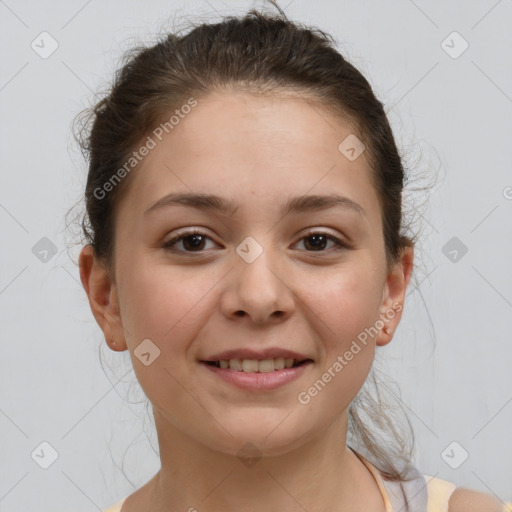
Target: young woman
{"points": [[245, 244]]}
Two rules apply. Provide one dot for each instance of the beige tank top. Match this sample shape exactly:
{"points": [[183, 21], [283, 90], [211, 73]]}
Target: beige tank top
{"points": [[421, 494]]}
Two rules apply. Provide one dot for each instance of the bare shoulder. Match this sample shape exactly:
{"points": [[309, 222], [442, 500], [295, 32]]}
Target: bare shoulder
{"points": [[467, 500]]}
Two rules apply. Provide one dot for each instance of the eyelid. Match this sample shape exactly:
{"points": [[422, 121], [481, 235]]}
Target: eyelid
{"points": [[184, 233], [324, 231], [341, 243]]}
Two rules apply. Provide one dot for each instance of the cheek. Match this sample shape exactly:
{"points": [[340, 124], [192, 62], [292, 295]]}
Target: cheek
{"points": [[346, 307], [162, 303], [347, 301]]}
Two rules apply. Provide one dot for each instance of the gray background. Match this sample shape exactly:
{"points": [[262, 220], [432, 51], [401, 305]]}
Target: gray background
{"points": [[452, 353]]}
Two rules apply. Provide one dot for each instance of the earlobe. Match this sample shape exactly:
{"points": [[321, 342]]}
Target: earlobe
{"points": [[393, 296], [102, 295]]}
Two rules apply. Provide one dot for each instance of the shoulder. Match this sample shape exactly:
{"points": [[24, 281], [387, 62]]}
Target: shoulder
{"points": [[116, 507], [446, 496], [467, 500]]}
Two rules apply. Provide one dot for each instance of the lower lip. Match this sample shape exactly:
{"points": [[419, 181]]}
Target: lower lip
{"points": [[256, 381]]}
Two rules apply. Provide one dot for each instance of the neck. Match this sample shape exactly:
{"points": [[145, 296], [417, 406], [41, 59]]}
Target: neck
{"points": [[321, 474]]}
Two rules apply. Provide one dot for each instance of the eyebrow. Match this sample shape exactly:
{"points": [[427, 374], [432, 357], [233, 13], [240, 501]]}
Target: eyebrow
{"points": [[300, 204]]}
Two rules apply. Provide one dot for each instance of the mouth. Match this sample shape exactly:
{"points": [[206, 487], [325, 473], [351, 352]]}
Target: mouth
{"points": [[258, 365], [257, 375]]}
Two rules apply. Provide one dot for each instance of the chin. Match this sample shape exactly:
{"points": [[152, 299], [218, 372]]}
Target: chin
{"points": [[252, 437]]}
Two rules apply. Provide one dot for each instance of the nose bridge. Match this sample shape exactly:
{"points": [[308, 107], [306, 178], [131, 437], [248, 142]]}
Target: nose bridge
{"points": [[257, 288]]}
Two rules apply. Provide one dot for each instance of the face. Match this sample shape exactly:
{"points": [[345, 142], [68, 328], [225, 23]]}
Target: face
{"points": [[311, 279]]}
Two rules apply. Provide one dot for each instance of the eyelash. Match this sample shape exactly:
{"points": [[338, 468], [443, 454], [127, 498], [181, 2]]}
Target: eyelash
{"points": [[168, 245]]}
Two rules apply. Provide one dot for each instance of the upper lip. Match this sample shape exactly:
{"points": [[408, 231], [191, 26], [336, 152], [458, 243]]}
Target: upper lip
{"points": [[247, 353]]}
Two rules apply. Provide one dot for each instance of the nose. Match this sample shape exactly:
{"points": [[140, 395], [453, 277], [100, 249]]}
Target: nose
{"points": [[258, 291]]}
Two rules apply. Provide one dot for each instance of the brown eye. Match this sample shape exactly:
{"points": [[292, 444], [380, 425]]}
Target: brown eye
{"points": [[191, 242], [318, 240]]}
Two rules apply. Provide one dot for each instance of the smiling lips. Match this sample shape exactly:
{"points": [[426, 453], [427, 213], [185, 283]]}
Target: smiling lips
{"points": [[256, 381], [262, 370], [254, 365], [264, 361]]}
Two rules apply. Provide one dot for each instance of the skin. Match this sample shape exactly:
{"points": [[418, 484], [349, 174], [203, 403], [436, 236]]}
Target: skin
{"points": [[257, 151]]}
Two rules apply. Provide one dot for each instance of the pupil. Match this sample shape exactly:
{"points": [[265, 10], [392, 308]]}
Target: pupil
{"points": [[318, 239], [196, 244]]}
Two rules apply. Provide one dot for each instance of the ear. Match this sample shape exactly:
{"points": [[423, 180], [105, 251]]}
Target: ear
{"points": [[103, 300], [393, 295]]}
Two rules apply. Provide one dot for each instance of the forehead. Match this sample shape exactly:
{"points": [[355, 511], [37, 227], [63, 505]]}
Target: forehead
{"points": [[253, 147]]}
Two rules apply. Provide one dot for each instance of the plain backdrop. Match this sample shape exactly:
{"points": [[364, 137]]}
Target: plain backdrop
{"points": [[451, 110]]}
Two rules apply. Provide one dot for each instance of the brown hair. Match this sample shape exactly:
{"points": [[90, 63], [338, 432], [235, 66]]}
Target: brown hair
{"points": [[254, 53]]}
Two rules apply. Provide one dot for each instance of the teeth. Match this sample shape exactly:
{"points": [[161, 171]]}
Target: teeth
{"points": [[279, 363], [253, 365], [249, 365], [267, 365], [235, 364]]}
